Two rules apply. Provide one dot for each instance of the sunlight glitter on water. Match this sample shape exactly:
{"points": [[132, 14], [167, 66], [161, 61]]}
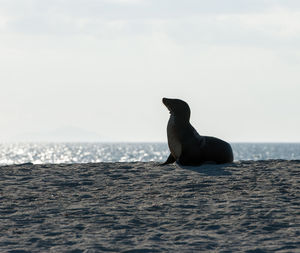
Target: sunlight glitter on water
{"points": [[81, 152], [128, 152]]}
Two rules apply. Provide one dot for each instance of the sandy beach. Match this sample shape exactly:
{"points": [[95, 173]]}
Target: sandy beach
{"points": [[247, 206]]}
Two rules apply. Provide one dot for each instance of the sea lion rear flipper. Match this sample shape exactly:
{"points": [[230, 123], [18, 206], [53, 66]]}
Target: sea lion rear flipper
{"points": [[170, 159]]}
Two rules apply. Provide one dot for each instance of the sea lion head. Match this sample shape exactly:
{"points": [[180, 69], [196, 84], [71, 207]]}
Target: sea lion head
{"points": [[178, 108]]}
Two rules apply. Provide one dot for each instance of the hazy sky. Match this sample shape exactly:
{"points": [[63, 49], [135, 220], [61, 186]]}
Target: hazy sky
{"points": [[104, 65]]}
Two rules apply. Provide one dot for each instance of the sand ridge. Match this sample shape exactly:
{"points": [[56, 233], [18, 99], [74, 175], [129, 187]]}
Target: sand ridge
{"points": [[249, 206]]}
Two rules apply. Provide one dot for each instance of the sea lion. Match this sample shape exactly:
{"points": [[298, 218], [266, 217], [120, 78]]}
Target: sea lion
{"points": [[186, 145]]}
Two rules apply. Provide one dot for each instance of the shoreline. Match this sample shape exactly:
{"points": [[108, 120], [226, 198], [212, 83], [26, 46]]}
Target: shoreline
{"points": [[144, 207], [155, 163]]}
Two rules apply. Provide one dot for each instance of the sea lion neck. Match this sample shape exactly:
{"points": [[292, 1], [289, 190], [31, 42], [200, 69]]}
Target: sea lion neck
{"points": [[181, 120]]}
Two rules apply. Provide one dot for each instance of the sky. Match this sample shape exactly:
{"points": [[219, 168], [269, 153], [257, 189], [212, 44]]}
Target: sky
{"points": [[101, 68]]}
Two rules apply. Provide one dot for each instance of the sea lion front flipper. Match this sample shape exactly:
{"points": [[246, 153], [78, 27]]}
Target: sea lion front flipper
{"points": [[170, 159]]}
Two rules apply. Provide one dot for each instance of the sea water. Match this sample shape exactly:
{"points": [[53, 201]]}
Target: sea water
{"points": [[16, 153]]}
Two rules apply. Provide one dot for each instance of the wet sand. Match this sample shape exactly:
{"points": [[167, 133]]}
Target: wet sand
{"points": [[247, 206]]}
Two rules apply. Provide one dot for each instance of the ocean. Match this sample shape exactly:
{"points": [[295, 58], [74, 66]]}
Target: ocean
{"points": [[39, 153]]}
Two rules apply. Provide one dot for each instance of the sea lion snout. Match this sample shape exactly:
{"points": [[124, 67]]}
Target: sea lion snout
{"points": [[170, 103], [165, 101], [177, 107]]}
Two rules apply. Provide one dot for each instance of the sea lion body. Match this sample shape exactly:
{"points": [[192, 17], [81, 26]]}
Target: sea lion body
{"points": [[187, 147]]}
